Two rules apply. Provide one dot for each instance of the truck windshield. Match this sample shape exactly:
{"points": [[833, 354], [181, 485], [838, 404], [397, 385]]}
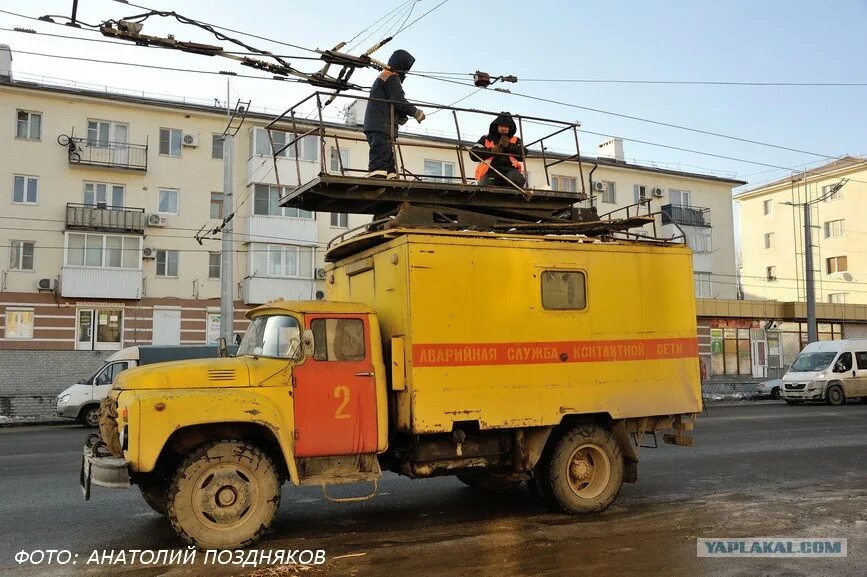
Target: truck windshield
{"points": [[811, 362], [272, 336]]}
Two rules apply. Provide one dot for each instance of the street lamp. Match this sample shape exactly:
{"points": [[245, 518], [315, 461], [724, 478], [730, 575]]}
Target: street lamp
{"points": [[812, 328]]}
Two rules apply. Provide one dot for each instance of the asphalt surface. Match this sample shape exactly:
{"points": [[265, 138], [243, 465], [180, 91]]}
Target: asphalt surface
{"points": [[757, 470]]}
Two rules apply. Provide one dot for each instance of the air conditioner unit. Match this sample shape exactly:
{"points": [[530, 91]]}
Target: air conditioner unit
{"points": [[846, 276], [148, 252], [599, 186], [157, 220], [656, 191], [191, 140], [320, 274], [46, 284]]}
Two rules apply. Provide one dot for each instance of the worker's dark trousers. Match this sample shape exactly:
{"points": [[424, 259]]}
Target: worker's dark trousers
{"points": [[491, 178], [381, 152]]}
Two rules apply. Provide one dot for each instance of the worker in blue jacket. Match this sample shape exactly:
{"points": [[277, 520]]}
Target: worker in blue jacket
{"points": [[380, 125]]}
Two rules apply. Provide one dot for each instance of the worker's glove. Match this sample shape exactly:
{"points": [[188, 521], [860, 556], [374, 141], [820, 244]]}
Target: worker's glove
{"points": [[402, 120], [504, 141], [419, 115], [497, 149]]}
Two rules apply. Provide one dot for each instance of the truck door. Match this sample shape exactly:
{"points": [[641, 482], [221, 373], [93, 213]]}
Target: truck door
{"points": [[335, 391], [103, 382]]}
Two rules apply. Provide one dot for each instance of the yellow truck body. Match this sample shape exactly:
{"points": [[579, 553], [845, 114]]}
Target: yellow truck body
{"points": [[479, 343]]}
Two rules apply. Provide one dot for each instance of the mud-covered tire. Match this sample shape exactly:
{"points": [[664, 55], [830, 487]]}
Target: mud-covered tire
{"points": [[155, 493], [585, 471], [485, 481], [835, 396], [224, 495], [541, 487], [89, 416]]}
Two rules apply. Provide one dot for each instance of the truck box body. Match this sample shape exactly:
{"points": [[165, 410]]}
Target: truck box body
{"points": [[497, 328]]}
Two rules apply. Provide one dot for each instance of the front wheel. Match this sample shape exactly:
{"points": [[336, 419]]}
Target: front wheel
{"points": [[154, 493], [89, 416], [585, 472], [835, 395], [775, 393], [224, 495]]}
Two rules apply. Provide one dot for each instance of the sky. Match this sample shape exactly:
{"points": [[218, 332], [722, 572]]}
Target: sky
{"points": [[731, 41]]}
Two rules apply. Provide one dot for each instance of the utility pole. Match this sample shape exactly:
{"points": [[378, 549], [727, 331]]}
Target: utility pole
{"points": [[227, 254]]}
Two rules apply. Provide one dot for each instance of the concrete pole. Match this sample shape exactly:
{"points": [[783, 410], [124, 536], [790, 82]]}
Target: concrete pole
{"points": [[227, 305], [812, 332]]}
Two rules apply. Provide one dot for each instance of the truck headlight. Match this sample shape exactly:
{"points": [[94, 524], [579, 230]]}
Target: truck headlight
{"points": [[63, 399]]}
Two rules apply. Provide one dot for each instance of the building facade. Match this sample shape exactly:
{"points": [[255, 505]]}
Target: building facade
{"points": [[107, 194]]}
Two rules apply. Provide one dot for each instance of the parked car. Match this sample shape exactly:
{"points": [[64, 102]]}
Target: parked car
{"points": [[830, 371], [81, 400], [771, 389]]}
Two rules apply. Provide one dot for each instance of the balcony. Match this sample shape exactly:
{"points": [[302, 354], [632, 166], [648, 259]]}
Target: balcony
{"points": [[281, 229], [258, 290], [105, 218], [107, 154], [685, 215], [100, 283]]}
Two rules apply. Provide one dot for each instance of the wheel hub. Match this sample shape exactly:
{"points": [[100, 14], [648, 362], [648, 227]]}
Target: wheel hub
{"points": [[589, 471], [224, 495]]}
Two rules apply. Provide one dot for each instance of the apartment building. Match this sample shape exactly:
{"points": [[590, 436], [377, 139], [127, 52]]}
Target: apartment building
{"points": [[107, 192], [772, 232]]}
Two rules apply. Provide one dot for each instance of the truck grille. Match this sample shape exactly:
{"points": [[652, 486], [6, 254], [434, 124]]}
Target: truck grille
{"points": [[221, 374], [795, 386]]}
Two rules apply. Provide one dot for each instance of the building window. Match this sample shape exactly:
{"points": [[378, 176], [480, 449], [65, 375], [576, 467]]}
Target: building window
{"points": [[213, 265], [702, 282], [217, 146], [831, 196], [343, 159], [730, 351], [280, 260], [19, 323], [170, 141], [700, 241], [24, 189], [837, 264], [308, 146], [21, 255], [167, 263], [609, 195], [340, 219], [837, 298], [563, 290], [564, 183], [771, 272], [216, 205], [767, 207], [29, 125], [679, 197], [835, 228], [769, 239], [103, 193], [103, 133], [168, 201], [103, 250], [438, 171], [265, 202], [640, 193]]}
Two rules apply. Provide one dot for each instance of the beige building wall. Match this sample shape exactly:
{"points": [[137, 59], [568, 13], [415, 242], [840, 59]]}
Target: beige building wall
{"points": [[763, 212]]}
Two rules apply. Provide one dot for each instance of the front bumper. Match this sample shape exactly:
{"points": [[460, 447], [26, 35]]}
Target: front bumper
{"points": [[804, 395], [102, 469], [68, 411]]}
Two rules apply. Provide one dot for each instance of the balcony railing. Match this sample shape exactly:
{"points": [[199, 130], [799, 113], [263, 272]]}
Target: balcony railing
{"points": [[108, 154], [106, 218], [685, 215]]}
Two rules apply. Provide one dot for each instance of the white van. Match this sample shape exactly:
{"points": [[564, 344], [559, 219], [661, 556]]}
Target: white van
{"points": [[81, 400], [830, 371]]}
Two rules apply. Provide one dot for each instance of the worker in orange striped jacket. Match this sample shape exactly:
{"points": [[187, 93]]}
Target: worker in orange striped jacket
{"points": [[501, 150]]}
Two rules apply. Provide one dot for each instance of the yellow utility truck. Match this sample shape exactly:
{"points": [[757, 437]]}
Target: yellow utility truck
{"points": [[500, 358]]}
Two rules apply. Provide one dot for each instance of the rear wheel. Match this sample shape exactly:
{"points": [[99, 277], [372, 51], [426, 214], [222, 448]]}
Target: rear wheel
{"points": [[539, 484], [835, 395], [224, 495], [89, 416], [487, 481], [586, 470]]}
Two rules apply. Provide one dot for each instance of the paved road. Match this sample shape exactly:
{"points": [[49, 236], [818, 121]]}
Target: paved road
{"points": [[763, 469]]}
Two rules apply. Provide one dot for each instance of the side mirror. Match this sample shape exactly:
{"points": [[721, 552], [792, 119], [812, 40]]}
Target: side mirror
{"points": [[308, 344]]}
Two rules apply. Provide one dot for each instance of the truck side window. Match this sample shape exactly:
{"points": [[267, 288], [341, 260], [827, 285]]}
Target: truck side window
{"points": [[564, 290], [844, 363], [338, 339], [861, 358]]}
